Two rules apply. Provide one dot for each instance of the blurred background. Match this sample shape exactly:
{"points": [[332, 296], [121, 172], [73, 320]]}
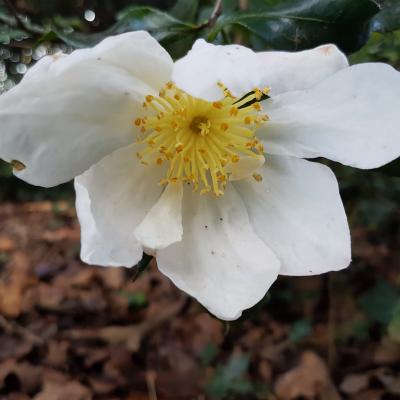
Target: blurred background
{"points": [[73, 332]]}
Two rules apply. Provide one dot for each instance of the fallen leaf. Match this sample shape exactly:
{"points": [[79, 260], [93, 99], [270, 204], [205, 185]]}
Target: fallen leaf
{"points": [[389, 380], [57, 354], [68, 391], [28, 377], [388, 352], [308, 380], [13, 286], [354, 383], [6, 244]]}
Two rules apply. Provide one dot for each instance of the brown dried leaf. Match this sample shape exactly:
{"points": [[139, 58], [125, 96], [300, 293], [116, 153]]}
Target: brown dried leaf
{"points": [[13, 286], [63, 233], [11, 347], [308, 380], [388, 352], [6, 244], [29, 376], [131, 336], [68, 391], [57, 354], [354, 383], [389, 380]]}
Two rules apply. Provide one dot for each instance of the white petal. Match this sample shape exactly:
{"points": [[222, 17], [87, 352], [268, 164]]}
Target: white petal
{"points": [[113, 197], [298, 212], [162, 226], [352, 117], [241, 70], [244, 168], [198, 73], [138, 53], [70, 111], [220, 260], [288, 71]]}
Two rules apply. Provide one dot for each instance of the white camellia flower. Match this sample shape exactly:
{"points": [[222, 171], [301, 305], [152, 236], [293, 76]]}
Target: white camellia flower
{"points": [[200, 162]]}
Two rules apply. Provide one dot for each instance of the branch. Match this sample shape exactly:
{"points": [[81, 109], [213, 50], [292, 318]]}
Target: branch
{"points": [[215, 13]]}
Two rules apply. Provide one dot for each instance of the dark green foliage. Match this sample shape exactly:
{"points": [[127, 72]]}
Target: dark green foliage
{"points": [[300, 329], [379, 302], [300, 24], [387, 19], [230, 379]]}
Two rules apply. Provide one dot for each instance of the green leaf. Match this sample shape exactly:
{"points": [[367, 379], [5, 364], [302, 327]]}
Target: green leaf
{"points": [[164, 27], [229, 379], [391, 169], [379, 302], [135, 300], [208, 354], [185, 10], [300, 329], [301, 24], [394, 325], [388, 19]]}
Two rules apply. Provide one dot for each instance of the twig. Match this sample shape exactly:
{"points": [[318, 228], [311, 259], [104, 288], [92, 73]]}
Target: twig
{"points": [[151, 384], [331, 323], [215, 14], [15, 329]]}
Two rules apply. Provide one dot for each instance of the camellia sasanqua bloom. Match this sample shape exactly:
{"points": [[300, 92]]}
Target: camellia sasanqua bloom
{"points": [[202, 162]]}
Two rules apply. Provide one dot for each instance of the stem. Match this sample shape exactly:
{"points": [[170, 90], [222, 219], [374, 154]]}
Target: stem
{"points": [[215, 13]]}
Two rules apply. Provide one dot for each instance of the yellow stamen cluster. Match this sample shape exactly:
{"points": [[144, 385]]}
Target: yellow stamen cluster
{"points": [[196, 138]]}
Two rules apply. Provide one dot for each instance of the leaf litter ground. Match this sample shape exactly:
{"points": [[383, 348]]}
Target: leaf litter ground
{"points": [[74, 332]]}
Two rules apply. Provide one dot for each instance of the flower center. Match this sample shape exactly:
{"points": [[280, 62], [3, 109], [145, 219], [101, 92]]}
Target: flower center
{"points": [[198, 139]]}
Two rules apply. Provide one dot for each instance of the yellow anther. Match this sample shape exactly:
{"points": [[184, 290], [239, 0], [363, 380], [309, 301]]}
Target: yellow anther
{"points": [[217, 104], [257, 177], [205, 190], [234, 111], [266, 90], [257, 106], [235, 158], [224, 126], [179, 147], [222, 178], [198, 139], [163, 182]]}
